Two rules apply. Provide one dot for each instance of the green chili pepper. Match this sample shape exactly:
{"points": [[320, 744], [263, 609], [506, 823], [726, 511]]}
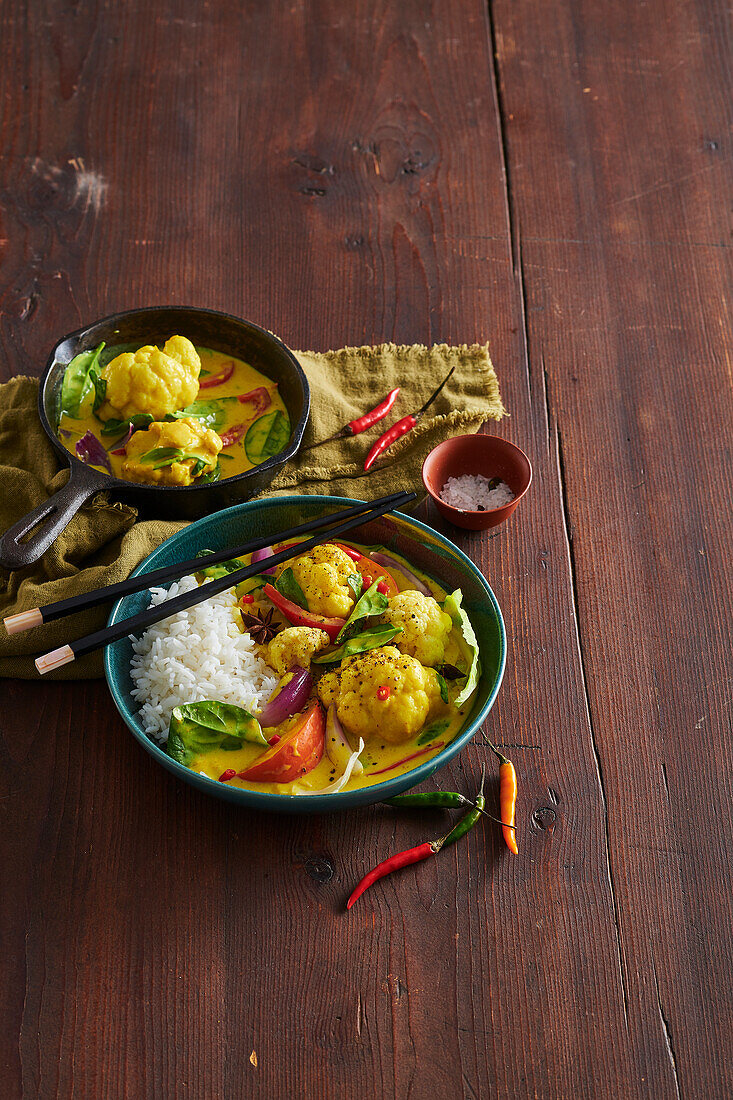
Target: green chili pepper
{"points": [[449, 799], [468, 820]]}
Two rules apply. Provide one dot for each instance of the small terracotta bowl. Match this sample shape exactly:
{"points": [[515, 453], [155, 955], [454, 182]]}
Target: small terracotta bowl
{"points": [[487, 455]]}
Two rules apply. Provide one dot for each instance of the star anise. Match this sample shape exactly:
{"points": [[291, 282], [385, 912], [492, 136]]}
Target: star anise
{"points": [[262, 626]]}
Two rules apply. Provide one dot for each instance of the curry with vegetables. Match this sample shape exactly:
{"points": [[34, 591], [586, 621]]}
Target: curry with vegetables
{"points": [[378, 667], [172, 415]]}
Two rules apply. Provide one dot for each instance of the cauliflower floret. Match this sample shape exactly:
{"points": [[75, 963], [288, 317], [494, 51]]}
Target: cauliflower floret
{"points": [[152, 381], [322, 574], [413, 693], [188, 436], [425, 626], [295, 646]]}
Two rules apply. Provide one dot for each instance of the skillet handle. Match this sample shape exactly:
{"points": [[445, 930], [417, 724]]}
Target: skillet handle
{"points": [[49, 519]]}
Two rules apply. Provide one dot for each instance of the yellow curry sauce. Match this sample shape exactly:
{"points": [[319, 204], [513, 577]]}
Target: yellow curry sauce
{"points": [[223, 413], [446, 720]]}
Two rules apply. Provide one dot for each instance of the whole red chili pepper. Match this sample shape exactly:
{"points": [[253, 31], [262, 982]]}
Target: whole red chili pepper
{"points": [[362, 423], [401, 859], [507, 799], [402, 427]]}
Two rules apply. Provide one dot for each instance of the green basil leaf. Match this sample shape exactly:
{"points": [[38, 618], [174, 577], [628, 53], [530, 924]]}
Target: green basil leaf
{"points": [[161, 456], [110, 353], [287, 586], [433, 730], [378, 635], [76, 383], [201, 727], [211, 413], [118, 427], [166, 456], [175, 746], [267, 436], [371, 603], [355, 582], [212, 475], [443, 688], [462, 624], [100, 389], [224, 718]]}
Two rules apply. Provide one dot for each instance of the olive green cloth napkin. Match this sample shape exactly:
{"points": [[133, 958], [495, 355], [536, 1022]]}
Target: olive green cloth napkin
{"points": [[346, 383], [105, 541]]}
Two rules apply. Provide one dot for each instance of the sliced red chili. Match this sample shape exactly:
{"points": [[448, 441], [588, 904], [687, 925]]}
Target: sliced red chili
{"points": [[227, 775], [353, 554], [247, 598], [383, 587], [298, 617], [383, 692], [413, 756], [217, 379]]}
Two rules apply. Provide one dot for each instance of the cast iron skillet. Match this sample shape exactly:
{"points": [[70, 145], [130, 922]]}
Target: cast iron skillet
{"points": [[25, 542]]}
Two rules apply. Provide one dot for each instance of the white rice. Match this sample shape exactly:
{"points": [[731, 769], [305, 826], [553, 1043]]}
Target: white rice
{"points": [[472, 493], [196, 654]]}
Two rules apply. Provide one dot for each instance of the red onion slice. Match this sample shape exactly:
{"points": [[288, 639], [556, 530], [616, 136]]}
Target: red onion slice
{"points": [[289, 700], [91, 451], [261, 555], [392, 563]]}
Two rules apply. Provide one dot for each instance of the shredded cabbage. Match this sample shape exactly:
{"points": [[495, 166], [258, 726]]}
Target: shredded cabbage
{"points": [[340, 783], [463, 624]]}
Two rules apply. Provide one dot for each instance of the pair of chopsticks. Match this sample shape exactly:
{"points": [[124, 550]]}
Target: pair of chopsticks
{"points": [[345, 520]]}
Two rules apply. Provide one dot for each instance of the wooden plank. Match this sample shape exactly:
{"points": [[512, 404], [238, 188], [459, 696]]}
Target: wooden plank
{"points": [[627, 265], [338, 174]]}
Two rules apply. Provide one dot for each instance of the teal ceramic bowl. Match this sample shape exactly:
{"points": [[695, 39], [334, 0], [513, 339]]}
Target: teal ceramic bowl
{"points": [[426, 549]]}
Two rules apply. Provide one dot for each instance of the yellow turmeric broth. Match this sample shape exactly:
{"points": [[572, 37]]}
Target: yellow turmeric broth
{"points": [[218, 414], [381, 759]]}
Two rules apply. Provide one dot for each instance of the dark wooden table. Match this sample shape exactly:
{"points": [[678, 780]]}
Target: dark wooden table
{"points": [[554, 178]]}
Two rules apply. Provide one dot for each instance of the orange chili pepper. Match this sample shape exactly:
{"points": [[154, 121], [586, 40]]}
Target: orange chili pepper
{"points": [[507, 798]]}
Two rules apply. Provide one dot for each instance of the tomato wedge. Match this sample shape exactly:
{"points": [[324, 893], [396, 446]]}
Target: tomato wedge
{"points": [[369, 568], [216, 379], [296, 754], [260, 398], [233, 434], [299, 617]]}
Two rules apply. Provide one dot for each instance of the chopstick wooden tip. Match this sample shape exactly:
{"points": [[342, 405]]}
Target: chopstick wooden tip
{"points": [[24, 620], [55, 659]]}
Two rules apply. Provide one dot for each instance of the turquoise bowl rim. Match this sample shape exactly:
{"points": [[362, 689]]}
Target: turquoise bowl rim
{"points": [[295, 804]]}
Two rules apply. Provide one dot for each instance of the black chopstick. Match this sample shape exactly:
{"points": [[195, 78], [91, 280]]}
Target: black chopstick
{"points": [[25, 620], [68, 653]]}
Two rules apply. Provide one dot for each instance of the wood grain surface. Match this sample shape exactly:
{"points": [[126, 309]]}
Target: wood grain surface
{"points": [[555, 178]]}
